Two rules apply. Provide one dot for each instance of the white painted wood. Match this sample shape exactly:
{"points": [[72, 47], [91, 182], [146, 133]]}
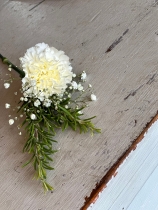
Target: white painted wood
{"points": [[84, 29], [136, 184]]}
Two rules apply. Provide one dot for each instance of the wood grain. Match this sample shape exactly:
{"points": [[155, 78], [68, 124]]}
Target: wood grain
{"points": [[124, 80]]}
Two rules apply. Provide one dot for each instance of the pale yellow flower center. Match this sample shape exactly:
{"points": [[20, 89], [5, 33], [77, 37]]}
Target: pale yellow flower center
{"points": [[44, 72]]}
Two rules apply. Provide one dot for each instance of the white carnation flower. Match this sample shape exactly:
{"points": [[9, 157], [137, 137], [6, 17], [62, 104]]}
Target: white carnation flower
{"points": [[41, 96], [7, 106], [93, 97], [6, 85], [47, 71]]}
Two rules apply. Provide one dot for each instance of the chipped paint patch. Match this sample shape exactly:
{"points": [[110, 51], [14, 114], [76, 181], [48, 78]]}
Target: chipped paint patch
{"points": [[115, 172], [133, 179], [117, 41]]}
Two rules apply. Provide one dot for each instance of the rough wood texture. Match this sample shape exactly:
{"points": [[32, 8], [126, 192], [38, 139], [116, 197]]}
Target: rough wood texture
{"points": [[136, 178], [116, 42]]}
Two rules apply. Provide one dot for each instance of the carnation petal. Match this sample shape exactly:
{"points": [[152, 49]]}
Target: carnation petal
{"points": [[47, 70]]}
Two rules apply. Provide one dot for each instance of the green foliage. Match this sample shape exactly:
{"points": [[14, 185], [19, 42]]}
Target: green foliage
{"points": [[42, 130]]}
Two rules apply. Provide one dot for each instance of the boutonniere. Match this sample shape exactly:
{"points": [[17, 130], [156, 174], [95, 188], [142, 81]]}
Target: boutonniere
{"points": [[53, 97]]}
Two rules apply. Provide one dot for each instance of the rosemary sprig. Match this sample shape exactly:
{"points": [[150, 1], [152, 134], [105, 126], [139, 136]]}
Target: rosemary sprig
{"points": [[41, 131]]}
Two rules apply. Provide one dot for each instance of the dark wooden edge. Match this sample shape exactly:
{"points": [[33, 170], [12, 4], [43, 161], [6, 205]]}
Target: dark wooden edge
{"points": [[113, 170]]}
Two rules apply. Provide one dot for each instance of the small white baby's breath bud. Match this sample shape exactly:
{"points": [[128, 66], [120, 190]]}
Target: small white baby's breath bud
{"points": [[7, 106], [74, 85], [15, 93], [80, 87], [22, 98], [9, 115], [70, 87], [21, 115], [33, 117], [74, 75], [80, 112], [90, 86], [11, 122], [25, 99], [66, 107], [6, 85], [93, 97], [83, 75], [9, 69], [16, 118], [20, 133], [37, 103]]}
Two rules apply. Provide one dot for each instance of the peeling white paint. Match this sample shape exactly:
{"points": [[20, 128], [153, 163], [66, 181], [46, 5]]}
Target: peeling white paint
{"points": [[135, 187]]}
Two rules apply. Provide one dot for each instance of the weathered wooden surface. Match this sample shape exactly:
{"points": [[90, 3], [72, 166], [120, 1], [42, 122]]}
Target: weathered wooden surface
{"points": [[116, 43], [139, 186]]}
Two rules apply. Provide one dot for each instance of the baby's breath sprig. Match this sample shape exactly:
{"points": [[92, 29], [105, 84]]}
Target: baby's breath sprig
{"points": [[53, 98]]}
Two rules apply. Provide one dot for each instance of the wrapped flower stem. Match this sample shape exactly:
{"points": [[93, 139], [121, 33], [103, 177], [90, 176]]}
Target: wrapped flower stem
{"points": [[18, 70]]}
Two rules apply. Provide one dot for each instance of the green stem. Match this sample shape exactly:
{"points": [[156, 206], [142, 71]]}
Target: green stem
{"points": [[6, 61]]}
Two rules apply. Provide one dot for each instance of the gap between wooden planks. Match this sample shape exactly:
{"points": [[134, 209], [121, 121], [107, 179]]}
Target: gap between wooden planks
{"points": [[113, 170]]}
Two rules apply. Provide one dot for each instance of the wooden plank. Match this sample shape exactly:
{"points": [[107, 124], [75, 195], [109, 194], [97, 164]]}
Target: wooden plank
{"points": [[135, 184], [124, 80]]}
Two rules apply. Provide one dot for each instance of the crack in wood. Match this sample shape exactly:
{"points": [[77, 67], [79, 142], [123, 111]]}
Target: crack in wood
{"points": [[36, 5], [117, 41], [133, 92], [155, 3], [152, 79]]}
